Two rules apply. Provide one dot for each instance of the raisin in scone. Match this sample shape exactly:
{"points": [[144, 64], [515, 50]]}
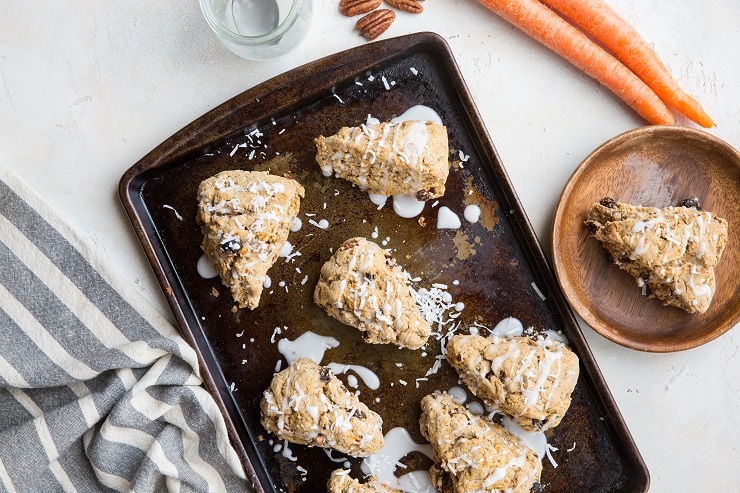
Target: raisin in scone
{"points": [[473, 453], [341, 482], [362, 285], [245, 218], [531, 380], [671, 251], [307, 404], [404, 158]]}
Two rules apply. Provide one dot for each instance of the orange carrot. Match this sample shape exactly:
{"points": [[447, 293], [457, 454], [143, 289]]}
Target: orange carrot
{"points": [[611, 30], [545, 26]]}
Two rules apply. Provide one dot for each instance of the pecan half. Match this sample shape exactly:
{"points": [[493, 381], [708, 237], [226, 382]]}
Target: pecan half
{"points": [[412, 6], [357, 7], [375, 23]]}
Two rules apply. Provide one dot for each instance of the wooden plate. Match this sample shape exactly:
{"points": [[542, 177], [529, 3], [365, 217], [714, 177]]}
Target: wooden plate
{"points": [[655, 166]]}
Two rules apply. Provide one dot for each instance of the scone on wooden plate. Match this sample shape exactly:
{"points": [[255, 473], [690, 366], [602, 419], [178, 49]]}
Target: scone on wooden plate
{"points": [[362, 285], [404, 158], [671, 252], [530, 380], [245, 218], [473, 453], [307, 404], [341, 482]]}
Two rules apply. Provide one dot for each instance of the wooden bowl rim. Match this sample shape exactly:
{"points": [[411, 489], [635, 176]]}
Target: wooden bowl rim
{"points": [[594, 321]]}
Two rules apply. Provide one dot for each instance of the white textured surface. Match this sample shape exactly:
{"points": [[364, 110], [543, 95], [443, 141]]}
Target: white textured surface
{"points": [[87, 88]]}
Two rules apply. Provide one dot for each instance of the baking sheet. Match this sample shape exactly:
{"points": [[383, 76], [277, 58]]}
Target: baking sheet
{"points": [[494, 267]]}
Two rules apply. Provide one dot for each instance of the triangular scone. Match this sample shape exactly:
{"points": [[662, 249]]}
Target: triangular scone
{"points": [[362, 285], [473, 453], [405, 158], [245, 218], [307, 404], [671, 251], [531, 380], [341, 482]]}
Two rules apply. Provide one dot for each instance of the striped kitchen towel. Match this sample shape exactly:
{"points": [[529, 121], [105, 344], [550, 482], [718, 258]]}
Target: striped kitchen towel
{"points": [[98, 392]]}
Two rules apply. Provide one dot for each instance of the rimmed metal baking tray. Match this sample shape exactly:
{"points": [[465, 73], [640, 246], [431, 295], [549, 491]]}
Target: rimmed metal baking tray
{"points": [[494, 266]]}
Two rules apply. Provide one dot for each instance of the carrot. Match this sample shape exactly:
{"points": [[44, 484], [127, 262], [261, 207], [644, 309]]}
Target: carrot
{"points": [[611, 30], [545, 26]]}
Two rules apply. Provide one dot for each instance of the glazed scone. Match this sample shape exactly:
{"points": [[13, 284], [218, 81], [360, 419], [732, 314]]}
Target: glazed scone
{"points": [[362, 285], [404, 158], [245, 218], [473, 453], [672, 252], [341, 482], [307, 404], [531, 380]]}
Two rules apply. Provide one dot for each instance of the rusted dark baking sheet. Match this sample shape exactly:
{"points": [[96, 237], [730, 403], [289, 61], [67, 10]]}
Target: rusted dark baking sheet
{"points": [[497, 262]]}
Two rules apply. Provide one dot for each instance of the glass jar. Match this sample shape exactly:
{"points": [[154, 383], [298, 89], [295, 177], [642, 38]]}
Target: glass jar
{"points": [[259, 29]]}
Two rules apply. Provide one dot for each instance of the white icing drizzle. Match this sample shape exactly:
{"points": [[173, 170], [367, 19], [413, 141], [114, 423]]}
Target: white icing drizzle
{"points": [[508, 327], [557, 335], [472, 213], [536, 440], [307, 345], [407, 206], [205, 268], [419, 112], [398, 443], [701, 288], [458, 394], [378, 199], [286, 249], [446, 219], [369, 377], [475, 408], [371, 120]]}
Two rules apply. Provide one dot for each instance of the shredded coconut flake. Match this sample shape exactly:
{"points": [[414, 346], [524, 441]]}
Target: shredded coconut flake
{"points": [[549, 449], [177, 214], [537, 290]]}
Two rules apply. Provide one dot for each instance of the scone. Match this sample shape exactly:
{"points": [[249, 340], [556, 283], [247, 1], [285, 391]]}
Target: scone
{"points": [[245, 218], [473, 453], [531, 380], [307, 404], [362, 285], [341, 482], [672, 251], [405, 158]]}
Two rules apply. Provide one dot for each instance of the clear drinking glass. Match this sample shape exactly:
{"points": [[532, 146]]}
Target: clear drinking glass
{"points": [[259, 29]]}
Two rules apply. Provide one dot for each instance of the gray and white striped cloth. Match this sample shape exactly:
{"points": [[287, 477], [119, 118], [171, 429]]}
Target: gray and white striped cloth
{"points": [[98, 392]]}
